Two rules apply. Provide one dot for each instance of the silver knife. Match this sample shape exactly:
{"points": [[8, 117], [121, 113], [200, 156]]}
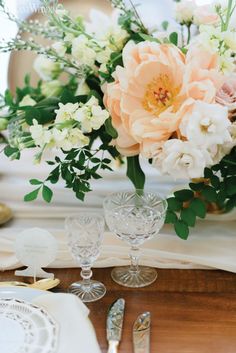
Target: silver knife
{"points": [[141, 333], [115, 319]]}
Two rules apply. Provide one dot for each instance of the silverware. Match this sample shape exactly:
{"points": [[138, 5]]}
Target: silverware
{"points": [[43, 284], [115, 320], [141, 333]]}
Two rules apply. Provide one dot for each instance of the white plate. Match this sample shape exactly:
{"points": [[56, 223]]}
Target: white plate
{"points": [[25, 327], [22, 293]]}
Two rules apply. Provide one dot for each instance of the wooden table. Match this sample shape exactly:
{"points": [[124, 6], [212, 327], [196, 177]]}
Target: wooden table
{"points": [[193, 311]]}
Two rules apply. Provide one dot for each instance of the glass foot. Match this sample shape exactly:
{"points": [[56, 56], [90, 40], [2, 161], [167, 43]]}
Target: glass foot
{"points": [[88, 293], [125, 276]]}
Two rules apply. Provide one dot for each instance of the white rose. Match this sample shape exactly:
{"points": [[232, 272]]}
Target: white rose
{"points": [[184, 11], [207, 125], [66, 112], [27, 101], [82, 52], [41, 135], [106, 30], [46, 68], [181, 159], [60, 48]]}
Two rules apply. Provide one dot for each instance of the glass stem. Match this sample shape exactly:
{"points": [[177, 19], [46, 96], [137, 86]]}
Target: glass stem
{"points": [[134, 257], [86, 274]]}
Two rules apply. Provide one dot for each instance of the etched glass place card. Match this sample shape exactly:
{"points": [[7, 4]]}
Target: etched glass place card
{"points": [[35, 248]]}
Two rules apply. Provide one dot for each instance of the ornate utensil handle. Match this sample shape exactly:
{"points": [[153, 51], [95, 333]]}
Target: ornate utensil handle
{"points": [[113, 347]]}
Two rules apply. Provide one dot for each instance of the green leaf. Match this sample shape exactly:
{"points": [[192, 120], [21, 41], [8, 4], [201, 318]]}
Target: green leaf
{"points": [[80, 195], [31, 114], [12, 152], [215, 181], [199, 207], [47, 194], [171, 217], [35, 182], [196, 186], [209, 193], [182, 230], [67, 96], [165, 25], [208, 173], [135, 172], [173, 37], [54, 175], [110, 129], [174, 204], [9, 98], [184, 195], [32, 195], [230, 204], [188, 216], [230, 184]]}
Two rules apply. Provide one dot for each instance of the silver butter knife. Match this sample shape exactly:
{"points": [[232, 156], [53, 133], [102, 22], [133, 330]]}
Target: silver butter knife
{"points": [[141, 333], [115, 319]]}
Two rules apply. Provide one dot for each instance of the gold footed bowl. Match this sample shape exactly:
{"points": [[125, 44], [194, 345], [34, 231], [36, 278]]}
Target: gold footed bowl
{"points": [[5, 214]]}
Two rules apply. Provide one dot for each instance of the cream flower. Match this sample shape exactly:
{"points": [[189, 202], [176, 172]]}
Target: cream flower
{"points": [[69, 138], [181, 159], [91, 116], [40, 134], [206, 125], [184, 11], [27, 101], [46, 68], [82, 52], [66, 112]]}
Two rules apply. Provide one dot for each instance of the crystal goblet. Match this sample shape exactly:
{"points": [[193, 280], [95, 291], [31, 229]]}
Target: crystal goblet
{"points": [[85, 234], [135, 216]]}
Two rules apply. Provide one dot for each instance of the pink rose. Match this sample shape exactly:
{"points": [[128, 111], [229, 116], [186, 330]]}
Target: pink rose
{"points": [[206, 15], [226, 95]]}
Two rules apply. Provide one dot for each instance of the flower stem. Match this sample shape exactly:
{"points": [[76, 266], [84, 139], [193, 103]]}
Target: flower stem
{"points": [[229, 14]]}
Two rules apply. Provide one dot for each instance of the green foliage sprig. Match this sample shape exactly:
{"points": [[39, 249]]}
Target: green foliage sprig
{"points": [[217, 189]]}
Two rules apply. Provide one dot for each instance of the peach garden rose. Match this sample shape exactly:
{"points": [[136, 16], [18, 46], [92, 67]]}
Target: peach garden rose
{"points": [[154, 91]]}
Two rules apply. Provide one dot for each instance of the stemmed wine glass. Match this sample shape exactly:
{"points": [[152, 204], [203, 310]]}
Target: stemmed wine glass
{"points": [[135, 216], [85, 234]]}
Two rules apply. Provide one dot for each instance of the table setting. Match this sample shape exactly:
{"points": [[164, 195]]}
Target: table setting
{"points": [[117, 177]]}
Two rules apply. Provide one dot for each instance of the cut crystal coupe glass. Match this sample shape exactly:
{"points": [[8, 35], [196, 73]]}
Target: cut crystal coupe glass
{"points": [[85, 234], [135, 216]]}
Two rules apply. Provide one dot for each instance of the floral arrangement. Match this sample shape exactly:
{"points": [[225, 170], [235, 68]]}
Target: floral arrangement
{"points": [[167, 94]]}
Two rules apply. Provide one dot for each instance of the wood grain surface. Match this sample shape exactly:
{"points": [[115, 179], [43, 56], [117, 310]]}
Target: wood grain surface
{"points": [[193, 311]]}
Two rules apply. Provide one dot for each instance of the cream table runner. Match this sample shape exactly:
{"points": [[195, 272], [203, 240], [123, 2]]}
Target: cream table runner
{"points": [[212, 244]]}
